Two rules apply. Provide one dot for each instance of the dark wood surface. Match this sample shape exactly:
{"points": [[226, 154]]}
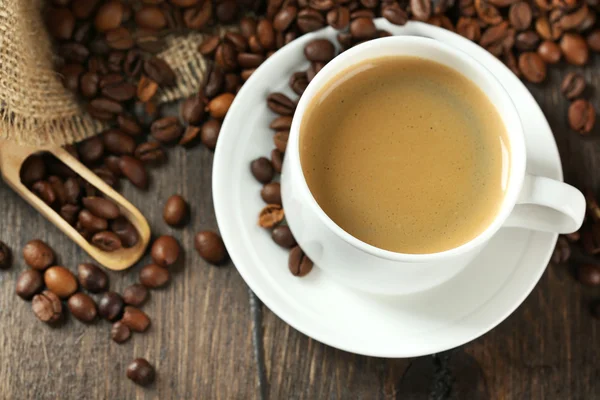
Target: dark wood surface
{"points": [[212, 339]]}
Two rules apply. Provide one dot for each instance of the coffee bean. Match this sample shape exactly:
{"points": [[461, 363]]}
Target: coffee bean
{"points": [[363, 28], [129, 125], [153, 276], [33, 169], [112, 164], [210, 247], [226, 57], [38, 255], [122, 91], [135, 319], [192, 110], [91, 150], [527, 40], [209, 45], [60, 22], [29, 283], [283, 123], [282, 235], [249, 60], [146, 89], [107, 241], [134, 170], [393, 13], [72, 191], [214, 83], [280, 104], [309, 20], [575, 49], [120, 332], [265, 34], [593, 40], [150, 152], [106, 175], [74, 52], [58, 188], [165, 251], [532, 66], [280, 140], [550, 52], [166, 130], [82, 307], [110, 306], [582, 116], [197, 17], [319, 50], [284, 18], [189, 136], [298, 82], [159, 71], [109, 16], [520, 15], [119, 39], [277, 160], [175, 210], [270, 216], [589, 275], [101, 207], [209, 133], [44, 191], [92, 278], [262, 169], [47, 307], [104, 108], [69, 213], [219, 106], [150, 17], [573, 85], [60, 281], [140, 371], [247, 26], [125, 231], [114, 63], [91, 222], [232, 83], [298, 263], [271, 193], [135, 295]]}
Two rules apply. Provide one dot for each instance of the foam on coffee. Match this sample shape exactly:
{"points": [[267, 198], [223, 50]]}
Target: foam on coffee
{"points": [[405, 154]]}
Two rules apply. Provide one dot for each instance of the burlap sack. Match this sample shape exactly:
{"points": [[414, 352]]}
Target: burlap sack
{"points": [[35, 108]]}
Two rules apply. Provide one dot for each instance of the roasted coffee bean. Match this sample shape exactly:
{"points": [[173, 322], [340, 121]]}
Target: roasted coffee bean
{"points": [[265, 34], [146, 89], [33, 169], [319, 50], [209, 133], [165, 251], [47, 307], [209, 45], [219, 106], [520, 15], [271, 193], [74, 52], [582, 116], [533, 67], [83, 307], [469, 28], [135, 319], [589, 275], [298, 82], [106, 175], [104, 108], [129, 125], [573, 85], [70, 74], [192, 110], [189, 136], [175, 211], [72, 191], [527, 40], [119, 39], [122, 91], [262, 169], [134, 170], [283, 123], [60, 281], [38, 255], [114, 63], [232, 83], [298, 263], [282, 235], [101, 207], [210, 247], [150, 17], [89, 84], [250, 60], [197, 17], [92, 278], [112, 164], [270, 216], [574, 49], [277, 160], [5, 256], [255, 45], [593, 40], [153, 276], [393, 13], [109, 16], [125, 231], [141, 371], [159, 71], [120, 332], [29, 283], [284, 18], [58, 188], [280, 104], [339, 17], [280, 140], [309, 20], [110, 306], [214, 83], [91, 222], [226, 57], [363, 28], [247, 26], [117, 142], [150, 152], [44, 191], [106, 241], [135, 295], [69, 213], [167, 129], [60, 22], [549, 51]]}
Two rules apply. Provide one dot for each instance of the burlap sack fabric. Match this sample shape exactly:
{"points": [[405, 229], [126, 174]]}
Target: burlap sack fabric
{"points": [[35, 108]]}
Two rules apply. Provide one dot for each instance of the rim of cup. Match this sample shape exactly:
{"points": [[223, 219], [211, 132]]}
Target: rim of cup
{"points": [[416, 46]]}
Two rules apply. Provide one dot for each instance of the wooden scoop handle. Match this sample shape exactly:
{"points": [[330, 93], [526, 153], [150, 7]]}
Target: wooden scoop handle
{"points": [[11, 159]]}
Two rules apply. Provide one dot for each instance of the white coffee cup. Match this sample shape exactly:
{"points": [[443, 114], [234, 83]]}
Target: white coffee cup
{"points": [[530, 202]]}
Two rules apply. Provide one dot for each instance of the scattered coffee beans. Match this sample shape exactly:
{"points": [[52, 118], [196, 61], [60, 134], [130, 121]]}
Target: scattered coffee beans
{"points": [[29, 283], [110, 306], [120, 332], [298, 263], [92, 278], [38, 255], [271, 216], [47, 307], [135, 295], [262, 169], [573, 85], [5, 256], [141, 372], [135, 319], [582, 116], [175, 210], [210, 247], [83, 307], [282, 235], [60, 281], [165, 251], [153, 276]]}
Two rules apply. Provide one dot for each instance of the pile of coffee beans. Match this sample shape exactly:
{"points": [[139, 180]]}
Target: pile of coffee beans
{"points": [[97, 218]]}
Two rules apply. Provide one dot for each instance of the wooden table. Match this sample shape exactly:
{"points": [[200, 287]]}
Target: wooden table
{"points": [[211, 337]]}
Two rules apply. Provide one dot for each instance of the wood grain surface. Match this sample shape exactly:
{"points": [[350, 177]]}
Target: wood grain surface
{"points": [[212, 339]]}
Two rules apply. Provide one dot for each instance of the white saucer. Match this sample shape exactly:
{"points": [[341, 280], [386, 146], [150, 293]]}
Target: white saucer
{"points": [[449, 315]]}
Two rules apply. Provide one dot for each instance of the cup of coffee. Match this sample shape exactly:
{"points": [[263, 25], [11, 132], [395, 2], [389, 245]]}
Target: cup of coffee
{"points": [[405, 157]]}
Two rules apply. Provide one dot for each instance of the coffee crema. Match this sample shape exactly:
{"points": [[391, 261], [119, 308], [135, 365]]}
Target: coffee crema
{"points": [[405, 154]]}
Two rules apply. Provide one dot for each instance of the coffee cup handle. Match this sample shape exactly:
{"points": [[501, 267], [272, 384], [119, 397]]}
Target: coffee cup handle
{"points": [[547, 205]]}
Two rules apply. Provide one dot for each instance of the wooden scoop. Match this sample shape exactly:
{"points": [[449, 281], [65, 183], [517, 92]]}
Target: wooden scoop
{"points": [[12, 157]]}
